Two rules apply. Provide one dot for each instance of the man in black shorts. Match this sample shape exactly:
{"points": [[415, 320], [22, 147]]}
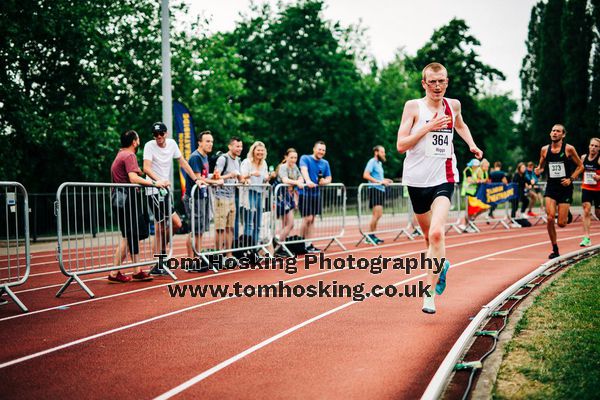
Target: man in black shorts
{"points": [[374, 173], [590, 190], [426, 135], [560, 158]]}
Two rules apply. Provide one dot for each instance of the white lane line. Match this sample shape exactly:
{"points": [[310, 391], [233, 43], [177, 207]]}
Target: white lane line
{"points": [[211, 371], [176, 312], [30, 313]]}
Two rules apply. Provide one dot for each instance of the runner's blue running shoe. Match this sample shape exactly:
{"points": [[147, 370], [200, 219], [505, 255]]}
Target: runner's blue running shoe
{"points": [[441, 285]]}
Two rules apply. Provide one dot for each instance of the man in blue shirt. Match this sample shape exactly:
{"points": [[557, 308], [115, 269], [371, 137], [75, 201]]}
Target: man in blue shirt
{"points": [[376, 192], [199, 163], [315, 171]]}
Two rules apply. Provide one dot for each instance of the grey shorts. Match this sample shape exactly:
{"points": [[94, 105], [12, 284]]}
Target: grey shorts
{"points": [[201, 215]]}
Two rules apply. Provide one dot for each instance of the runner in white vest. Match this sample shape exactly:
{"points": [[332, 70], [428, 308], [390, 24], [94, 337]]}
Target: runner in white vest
{"points": [[425, 135]]}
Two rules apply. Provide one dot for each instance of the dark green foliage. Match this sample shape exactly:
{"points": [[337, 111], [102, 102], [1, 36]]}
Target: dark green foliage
{"points": [[559, 73], [75, 74]]}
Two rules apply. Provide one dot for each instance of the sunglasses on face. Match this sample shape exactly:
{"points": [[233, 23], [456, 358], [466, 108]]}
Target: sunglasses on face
{"points": [[157, 134]]}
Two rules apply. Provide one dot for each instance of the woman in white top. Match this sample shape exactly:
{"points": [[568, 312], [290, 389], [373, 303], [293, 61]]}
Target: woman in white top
{"points": [[287, 198], [255, 172]]}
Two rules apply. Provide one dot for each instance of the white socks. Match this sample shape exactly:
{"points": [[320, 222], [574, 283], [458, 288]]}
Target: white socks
{"points": [[429, 304]]}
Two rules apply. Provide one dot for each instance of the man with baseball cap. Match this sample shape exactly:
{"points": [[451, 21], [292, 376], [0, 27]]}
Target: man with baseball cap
{"points": [[158, 165]]}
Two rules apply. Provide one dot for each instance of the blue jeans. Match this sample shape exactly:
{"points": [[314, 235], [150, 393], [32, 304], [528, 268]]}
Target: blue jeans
{"points": [[252, 216]]}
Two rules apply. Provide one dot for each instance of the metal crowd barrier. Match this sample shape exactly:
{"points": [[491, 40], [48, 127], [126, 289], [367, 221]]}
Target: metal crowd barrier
{"points": [[395, 209], [455, 215], [14, 238], [101, 225], [327, 202], [230, 218]]}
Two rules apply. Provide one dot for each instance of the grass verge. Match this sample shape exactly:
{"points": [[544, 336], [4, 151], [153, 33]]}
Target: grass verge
{"points": [[555, 352]]}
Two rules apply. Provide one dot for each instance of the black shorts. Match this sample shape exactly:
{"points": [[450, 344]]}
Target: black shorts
{"points": [[560, 194], [376, 197], [591, 196], [422, 198], [133, 224], [159, 206], [309, 204]]}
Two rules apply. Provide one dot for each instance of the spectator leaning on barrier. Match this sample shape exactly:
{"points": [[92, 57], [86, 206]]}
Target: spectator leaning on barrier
{"points": [[289, 174], [315, 171], [125, 169], [497, 176], [374, 173], [523, 187], [227, 168], [201, 201], [534, 193], [255, 172], [158, 165]]}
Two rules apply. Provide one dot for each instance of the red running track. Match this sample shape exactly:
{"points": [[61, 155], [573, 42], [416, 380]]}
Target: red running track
{"points": [[135, 341]]}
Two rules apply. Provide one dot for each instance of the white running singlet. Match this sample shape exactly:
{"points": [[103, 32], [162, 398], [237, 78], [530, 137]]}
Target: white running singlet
{"points": [[431, 161]]}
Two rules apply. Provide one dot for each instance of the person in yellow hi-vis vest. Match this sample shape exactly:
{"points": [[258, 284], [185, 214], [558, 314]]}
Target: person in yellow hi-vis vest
{"points": [[473, 176]]}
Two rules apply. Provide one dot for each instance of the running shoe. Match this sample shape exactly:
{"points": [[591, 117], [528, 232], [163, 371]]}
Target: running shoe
{"points": [[372, 239], [532, 214], [141, 277], [554, 254], [441, 285], [119, 278], [312, 249], [428, 305], [377, 240], [157, 271], [586, 242]]}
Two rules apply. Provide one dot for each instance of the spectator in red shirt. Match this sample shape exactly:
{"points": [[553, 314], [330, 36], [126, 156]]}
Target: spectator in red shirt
{"points": [[125, 169]]}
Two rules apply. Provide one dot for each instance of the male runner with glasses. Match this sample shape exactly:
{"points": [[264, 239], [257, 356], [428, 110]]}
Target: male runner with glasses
{"points": [[425, 134], [158, 165]]}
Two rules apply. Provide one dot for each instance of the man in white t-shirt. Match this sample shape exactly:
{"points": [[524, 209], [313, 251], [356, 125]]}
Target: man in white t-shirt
{"points": [[158, 165]]}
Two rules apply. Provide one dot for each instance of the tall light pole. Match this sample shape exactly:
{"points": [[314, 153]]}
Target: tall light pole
{"points": [[167, 102]]}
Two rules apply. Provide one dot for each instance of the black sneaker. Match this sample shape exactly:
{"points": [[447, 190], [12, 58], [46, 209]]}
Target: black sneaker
{"points": [[281, 253], [554, 254], [157, 271], [312, 249]]}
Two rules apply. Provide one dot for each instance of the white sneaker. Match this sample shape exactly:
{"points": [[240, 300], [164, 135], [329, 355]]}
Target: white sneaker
{"points": [[515, 225], [428, 305]]}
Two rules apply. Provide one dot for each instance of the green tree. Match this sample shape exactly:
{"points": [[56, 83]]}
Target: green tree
{"points": [[529, 80], [303, 85], [576, 45], [503, 145], [454, 47], [592, 127], [550, 96], [394, 84], [206, 79], [76, 73]]}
